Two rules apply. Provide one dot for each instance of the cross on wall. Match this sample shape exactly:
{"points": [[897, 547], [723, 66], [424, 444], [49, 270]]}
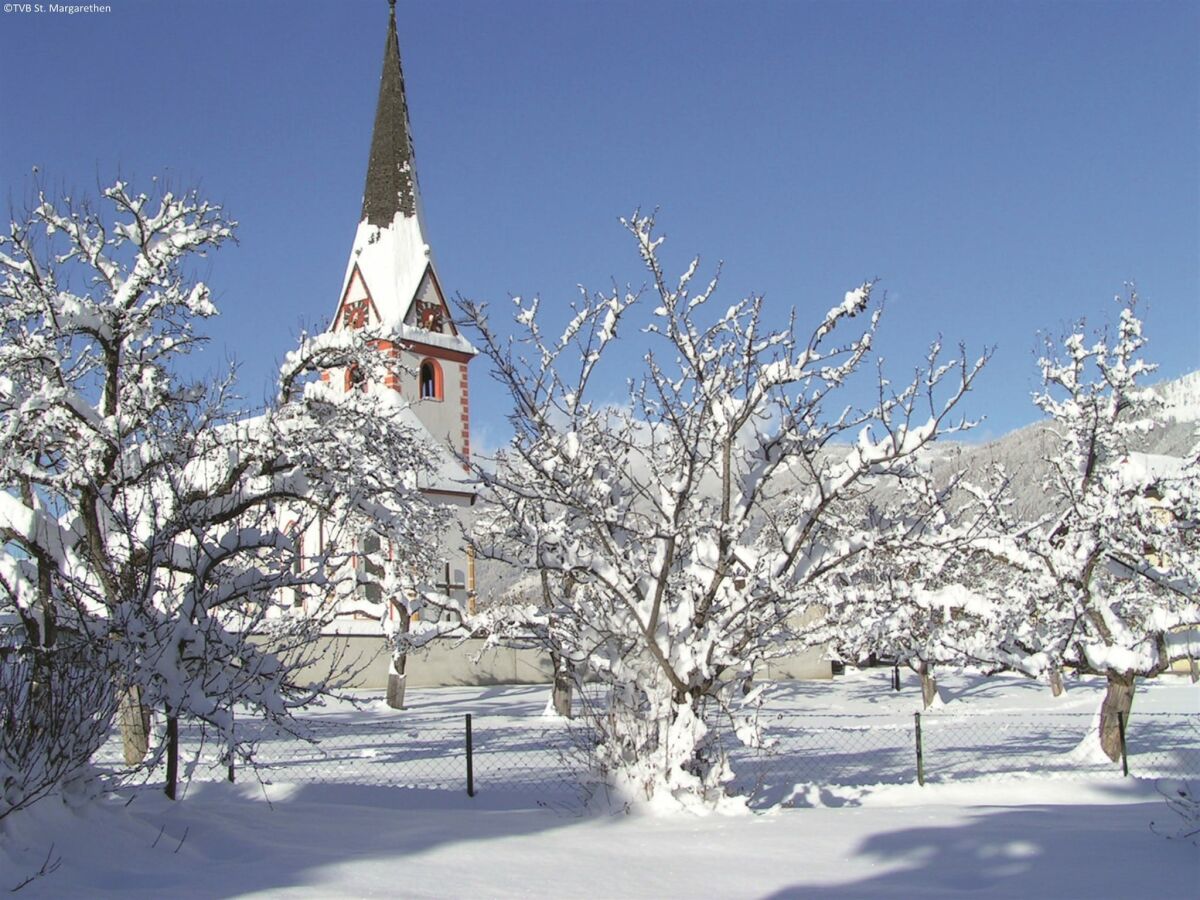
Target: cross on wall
{"points": [[445, 586]]}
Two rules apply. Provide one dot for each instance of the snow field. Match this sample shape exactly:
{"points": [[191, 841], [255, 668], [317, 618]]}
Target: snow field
{"points": [[1023, 835], [997, 727]]}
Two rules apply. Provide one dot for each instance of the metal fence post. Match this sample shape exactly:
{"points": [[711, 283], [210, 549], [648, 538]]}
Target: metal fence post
{"points": [[232, 743], [920, 752], [470, 761], [1121, 729], [172, 755]]}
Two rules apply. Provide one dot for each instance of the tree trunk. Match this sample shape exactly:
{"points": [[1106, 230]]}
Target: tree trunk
{"points": [[396, 679], [929, 690], [1117, 699], [1056, 681], [395, 683], [133, 718], [1193, 668], [563, 682]]}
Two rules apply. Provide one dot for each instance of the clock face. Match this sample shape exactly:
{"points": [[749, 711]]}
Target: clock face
{"points": [[430, 316], [355, 314]]}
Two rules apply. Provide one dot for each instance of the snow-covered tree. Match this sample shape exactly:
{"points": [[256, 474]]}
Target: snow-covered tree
{"points": [[145, 518], [931, 595], [902, 602], [524, 617], [1098, 583], [684, 534], [1115, 568]]}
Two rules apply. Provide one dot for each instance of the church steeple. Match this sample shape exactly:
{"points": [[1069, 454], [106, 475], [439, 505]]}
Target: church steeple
{"points": [[391, 285], [391, 280], [391, 185]]}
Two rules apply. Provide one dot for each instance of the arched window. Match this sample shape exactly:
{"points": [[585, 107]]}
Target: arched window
{"points": [[355, 379], [430, 380]]}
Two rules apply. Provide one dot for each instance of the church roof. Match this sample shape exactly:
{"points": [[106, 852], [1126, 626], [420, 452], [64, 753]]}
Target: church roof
{"points": [[391, 172], [391, 264], [448, 475]]}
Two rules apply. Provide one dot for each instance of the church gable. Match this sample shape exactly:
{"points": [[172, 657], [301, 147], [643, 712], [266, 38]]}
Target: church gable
{"points": [[357, 309], [428, 310]]}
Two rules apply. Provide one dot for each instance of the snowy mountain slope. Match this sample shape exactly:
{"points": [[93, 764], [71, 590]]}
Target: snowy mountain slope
{"points": [[1022, 452], [1181, 398]]}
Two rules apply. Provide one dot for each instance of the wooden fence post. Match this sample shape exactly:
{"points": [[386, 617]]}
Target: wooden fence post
{"points": [[172, 755]]}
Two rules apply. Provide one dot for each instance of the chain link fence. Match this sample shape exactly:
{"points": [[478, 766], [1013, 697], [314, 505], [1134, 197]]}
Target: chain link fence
{"points": [[551, 759], [457, 753], [855, 750]]}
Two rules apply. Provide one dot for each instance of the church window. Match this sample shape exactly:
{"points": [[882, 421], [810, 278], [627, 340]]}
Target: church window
{"points": [[431, 380], [370, 570], [297, 561], [355, 379]]}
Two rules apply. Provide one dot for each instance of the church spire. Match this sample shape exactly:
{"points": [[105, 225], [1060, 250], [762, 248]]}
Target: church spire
{"points": [[390, 281], [391, 185], [391, 285]]}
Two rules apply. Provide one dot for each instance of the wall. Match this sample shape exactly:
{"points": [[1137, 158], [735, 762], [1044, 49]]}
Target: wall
{"points": [[447, 663]]}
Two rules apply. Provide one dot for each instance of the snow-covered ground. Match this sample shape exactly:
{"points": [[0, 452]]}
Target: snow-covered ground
{"points": [[1017, 835]]}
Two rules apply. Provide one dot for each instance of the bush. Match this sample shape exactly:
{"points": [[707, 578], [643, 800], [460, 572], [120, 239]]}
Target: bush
{"points": [[56, 708]]}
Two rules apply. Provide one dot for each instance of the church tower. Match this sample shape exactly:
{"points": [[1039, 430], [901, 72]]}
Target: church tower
{"points": [[391, 285], [391, 282]]}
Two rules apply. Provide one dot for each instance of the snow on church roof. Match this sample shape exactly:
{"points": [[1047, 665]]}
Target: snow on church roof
{"points": [[448, 474]]}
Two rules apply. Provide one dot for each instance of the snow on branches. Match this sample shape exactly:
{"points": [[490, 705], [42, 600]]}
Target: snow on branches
{"points": [[686, 533], [1096, 582], [149, 526]]}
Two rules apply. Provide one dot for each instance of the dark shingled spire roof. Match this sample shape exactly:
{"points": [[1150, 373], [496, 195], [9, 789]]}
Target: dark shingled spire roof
{"points": [[391, 176]]}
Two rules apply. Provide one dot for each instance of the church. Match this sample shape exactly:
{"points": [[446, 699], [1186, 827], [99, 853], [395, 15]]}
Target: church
{"points": [[391, 284]]}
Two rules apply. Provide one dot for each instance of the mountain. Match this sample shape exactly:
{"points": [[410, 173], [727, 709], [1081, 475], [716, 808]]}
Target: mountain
{"points": [[1022, 452]]}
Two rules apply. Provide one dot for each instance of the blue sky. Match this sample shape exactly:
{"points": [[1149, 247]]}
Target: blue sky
{"points": [[1003, 168]]}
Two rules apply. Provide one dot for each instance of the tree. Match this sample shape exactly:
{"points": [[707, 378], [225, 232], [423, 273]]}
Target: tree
{"points": [[881, 605], [523, 617], [149, 524], [929, 591], [1115, 568], [696, 524], [1097, 583]]}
